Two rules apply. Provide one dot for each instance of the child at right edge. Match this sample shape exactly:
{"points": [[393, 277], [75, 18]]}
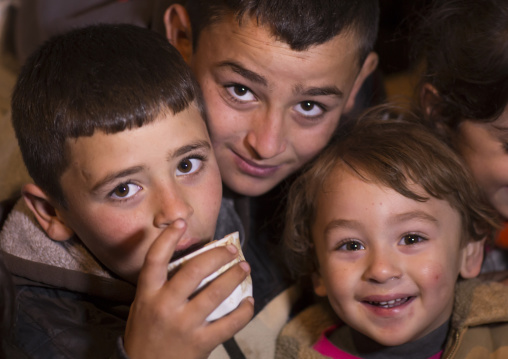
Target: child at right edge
{"points": [[389, 225]]}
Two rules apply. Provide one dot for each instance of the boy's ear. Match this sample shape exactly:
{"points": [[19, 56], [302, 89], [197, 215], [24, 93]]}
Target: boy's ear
{"points": [[368, 67], [178, 30], [472, 258], [45, 213], [319, 286], [429, 98]]}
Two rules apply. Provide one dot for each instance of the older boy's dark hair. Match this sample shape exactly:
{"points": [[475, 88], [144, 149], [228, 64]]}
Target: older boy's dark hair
{"points": [[395, 153], [465, 50], [299, 23], [107, 78]]}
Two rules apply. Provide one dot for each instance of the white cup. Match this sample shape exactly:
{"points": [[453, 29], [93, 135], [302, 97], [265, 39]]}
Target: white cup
{"points": [[243, 290]]}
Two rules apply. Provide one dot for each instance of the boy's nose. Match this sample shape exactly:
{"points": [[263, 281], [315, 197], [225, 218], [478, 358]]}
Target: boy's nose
{"points": [[266, 136], [382, 268], [171, 206]]}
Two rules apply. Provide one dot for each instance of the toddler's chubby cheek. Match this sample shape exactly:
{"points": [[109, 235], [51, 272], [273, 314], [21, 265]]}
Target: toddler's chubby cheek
{"points": [[435, 275]]}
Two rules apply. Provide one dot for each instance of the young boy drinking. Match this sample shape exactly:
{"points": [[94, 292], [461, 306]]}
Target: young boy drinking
{"points": [[390, 225], [110, 124]]}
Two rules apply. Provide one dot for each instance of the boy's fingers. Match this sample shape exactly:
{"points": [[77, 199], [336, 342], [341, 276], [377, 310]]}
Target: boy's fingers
{"points": [[154, 273], [226, 327], [187, 279], [210, 297]]}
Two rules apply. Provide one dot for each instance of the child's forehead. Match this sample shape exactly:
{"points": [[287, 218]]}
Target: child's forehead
{"points": [[342, 175], [353, 193], [170, 131], [256, 28]]}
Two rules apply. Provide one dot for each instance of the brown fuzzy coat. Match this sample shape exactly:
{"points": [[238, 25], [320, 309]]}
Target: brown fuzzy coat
{"points": [[479, 325]]}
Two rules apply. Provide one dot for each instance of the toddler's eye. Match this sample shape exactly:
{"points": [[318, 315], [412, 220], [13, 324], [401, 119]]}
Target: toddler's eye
{"points": [[188, 166], [241, 93], [125, 190], [351, 246], [309, 109], [410, 239]]}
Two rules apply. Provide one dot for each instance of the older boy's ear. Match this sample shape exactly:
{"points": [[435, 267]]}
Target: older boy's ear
{"points": [[429, 98], [368, 67], [319, 286], [472, 259], [178, 30], [45, 213]]}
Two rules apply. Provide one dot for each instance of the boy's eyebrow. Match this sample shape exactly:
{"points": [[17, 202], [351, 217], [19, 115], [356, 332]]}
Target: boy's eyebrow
{"points": [[113, 176], [353, 224], [136, 169], [341, 223], [242, 71], [414, 215], [500, 128], [254, 77], [320, 91], [188, 148]]}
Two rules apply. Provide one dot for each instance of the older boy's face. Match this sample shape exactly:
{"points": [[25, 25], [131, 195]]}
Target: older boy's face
{"points": [[387, 263], [271, 109], [485, 149], [123, 189]]}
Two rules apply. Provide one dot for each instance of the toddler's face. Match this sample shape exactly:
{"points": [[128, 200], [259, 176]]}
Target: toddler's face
{"points": [[123, 189], [271, 109], [387, 263], [485, 149]]}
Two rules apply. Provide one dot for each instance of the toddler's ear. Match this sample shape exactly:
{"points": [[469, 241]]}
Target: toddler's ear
{"points": [[472, 258], [45, 213], [178, 30], [319, 286], [429, 98]]}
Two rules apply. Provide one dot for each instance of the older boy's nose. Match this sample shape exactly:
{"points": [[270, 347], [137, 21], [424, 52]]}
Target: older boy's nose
{"points": [[170, 207], [381, 268], [266, 136]]}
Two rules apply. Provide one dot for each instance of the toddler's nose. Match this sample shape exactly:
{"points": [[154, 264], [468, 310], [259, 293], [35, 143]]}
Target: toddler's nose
{"points": [[382, 268]]}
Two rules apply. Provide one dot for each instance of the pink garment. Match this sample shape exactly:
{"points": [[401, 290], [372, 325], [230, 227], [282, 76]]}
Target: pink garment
{"points": [[325, 347]]}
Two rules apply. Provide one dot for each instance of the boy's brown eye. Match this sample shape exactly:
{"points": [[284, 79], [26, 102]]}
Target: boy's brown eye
{"points": [[121, 191], [307, 106], [240, 90], [188, 166], [410, 239], [125, 190], [185, 166], [353, 246]]}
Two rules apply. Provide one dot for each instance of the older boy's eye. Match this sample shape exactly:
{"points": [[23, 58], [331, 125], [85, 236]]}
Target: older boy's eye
{"points": [[125, 190], [188, 166], [410, 239], [241, 93], [351, 246], [309, 109]]}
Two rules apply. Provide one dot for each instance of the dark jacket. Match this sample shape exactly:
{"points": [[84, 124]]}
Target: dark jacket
{"points": [[69, 306]]}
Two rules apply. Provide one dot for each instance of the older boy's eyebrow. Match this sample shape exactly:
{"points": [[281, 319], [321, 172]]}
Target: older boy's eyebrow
{"points": [[114, 176], [320, 91], [188, 148], [242, 71]]}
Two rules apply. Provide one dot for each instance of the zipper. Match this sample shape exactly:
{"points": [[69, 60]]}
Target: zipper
{"points": [[458, 340]]}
